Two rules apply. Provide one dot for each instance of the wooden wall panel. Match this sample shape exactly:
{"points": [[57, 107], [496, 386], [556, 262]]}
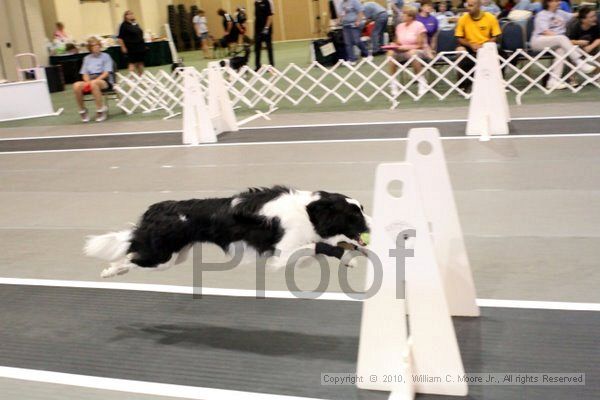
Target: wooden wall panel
{"points": [[297, 19]]}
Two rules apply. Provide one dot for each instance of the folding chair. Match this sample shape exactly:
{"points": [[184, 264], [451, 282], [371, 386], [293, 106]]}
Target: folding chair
{"points": [[447, 42], [513, 37], [28, 67]]}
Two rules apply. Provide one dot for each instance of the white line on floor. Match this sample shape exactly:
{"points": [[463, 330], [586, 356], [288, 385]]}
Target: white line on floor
{"points": [[539, 305], [439, 121], [548, 136], [278, 294], [408, 122], [90, 135], [271, 294], [140, 387]]}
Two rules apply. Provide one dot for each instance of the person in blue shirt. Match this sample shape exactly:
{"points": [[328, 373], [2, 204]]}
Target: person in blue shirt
{"points": [[96, 72], [376, 13], [351, 16], [491, 7], [565, 6], [396, 6], [528, 5]]}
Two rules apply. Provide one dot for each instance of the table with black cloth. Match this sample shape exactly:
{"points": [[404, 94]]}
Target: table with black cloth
{"points": [[158, 54]]}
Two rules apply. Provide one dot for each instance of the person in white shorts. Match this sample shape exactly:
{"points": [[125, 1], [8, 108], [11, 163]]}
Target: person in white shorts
{"points": [[201, 29]]}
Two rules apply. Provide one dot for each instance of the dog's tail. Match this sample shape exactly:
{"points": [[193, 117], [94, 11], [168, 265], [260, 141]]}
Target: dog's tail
{"points": [[110, 247]]}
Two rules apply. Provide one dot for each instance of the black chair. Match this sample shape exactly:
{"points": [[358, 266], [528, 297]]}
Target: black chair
{"points": [[513, 37], [447, 42], [529, 30]]}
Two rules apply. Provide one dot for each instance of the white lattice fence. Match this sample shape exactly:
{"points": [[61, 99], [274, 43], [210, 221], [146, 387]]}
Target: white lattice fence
{"points": [[530, 68], [366, 81]]}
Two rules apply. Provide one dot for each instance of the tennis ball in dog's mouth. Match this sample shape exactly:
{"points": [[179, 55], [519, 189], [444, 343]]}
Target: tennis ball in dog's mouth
{"points": [[365, 237]]}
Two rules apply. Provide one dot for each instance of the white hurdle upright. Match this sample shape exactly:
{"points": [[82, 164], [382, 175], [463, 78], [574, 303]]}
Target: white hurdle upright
{"points": [[201, 122], [488, 109], [197, 124], [426, 154], [219, 104], [426, 357]]}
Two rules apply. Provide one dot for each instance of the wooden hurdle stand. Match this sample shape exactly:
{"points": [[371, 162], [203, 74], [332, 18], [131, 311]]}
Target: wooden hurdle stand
{"points": [[436, 278]]}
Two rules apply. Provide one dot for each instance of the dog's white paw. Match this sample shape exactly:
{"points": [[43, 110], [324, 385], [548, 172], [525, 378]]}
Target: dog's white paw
{"points": [[350, 258], [114, 270]]}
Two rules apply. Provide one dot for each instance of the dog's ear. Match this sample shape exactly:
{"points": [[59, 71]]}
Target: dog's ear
{"points": [[319, 207], [323, 216]]}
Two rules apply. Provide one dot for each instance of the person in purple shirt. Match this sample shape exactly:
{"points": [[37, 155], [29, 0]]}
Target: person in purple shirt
{"points": [[431, 23], [550, 27]]}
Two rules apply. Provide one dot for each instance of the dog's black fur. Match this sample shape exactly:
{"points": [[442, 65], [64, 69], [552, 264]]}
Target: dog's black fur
{"points": [[161, 231], [169, 227]]}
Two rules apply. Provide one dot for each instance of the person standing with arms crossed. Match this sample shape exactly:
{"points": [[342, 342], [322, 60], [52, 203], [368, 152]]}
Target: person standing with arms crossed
{"points": [[263, 29]]}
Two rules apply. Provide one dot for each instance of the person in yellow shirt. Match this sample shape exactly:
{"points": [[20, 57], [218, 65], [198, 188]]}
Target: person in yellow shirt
{"points": [[474, 28]]}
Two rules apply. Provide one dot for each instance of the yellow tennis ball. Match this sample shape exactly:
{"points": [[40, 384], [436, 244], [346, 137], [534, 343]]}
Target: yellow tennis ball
{"points": [[365, 237]]}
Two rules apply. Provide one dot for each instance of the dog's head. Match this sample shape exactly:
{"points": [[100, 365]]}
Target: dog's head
{"points": [[336, 215]]}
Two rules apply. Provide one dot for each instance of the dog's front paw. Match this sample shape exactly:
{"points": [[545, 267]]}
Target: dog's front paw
{"points": [[350, 258]]}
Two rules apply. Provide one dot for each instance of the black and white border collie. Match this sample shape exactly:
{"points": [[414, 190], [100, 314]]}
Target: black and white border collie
{"points": [[278, 220]]}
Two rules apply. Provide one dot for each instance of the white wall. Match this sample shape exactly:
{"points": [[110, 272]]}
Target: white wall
{"points": [[69, 13], [21, 25], [97, 19], [35, 23]]}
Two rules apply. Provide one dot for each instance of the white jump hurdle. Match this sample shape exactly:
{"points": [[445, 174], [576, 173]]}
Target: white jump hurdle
{"points": [[201, 122], [488, 108], [437, 279]]}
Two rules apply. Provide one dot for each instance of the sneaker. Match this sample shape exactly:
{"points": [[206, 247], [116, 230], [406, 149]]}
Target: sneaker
{"points": [[422, 88], [585, 67], [85, 117], [101, 114], [394, 89], [552, 85]]}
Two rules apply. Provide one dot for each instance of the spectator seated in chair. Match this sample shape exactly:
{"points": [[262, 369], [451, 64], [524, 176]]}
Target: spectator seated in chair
{"points": [[446, 18], [411, 40], [474, 28], [584, 30], [528, 5], [96, 73], [491, 7], [426, 17], [550, 31]]}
